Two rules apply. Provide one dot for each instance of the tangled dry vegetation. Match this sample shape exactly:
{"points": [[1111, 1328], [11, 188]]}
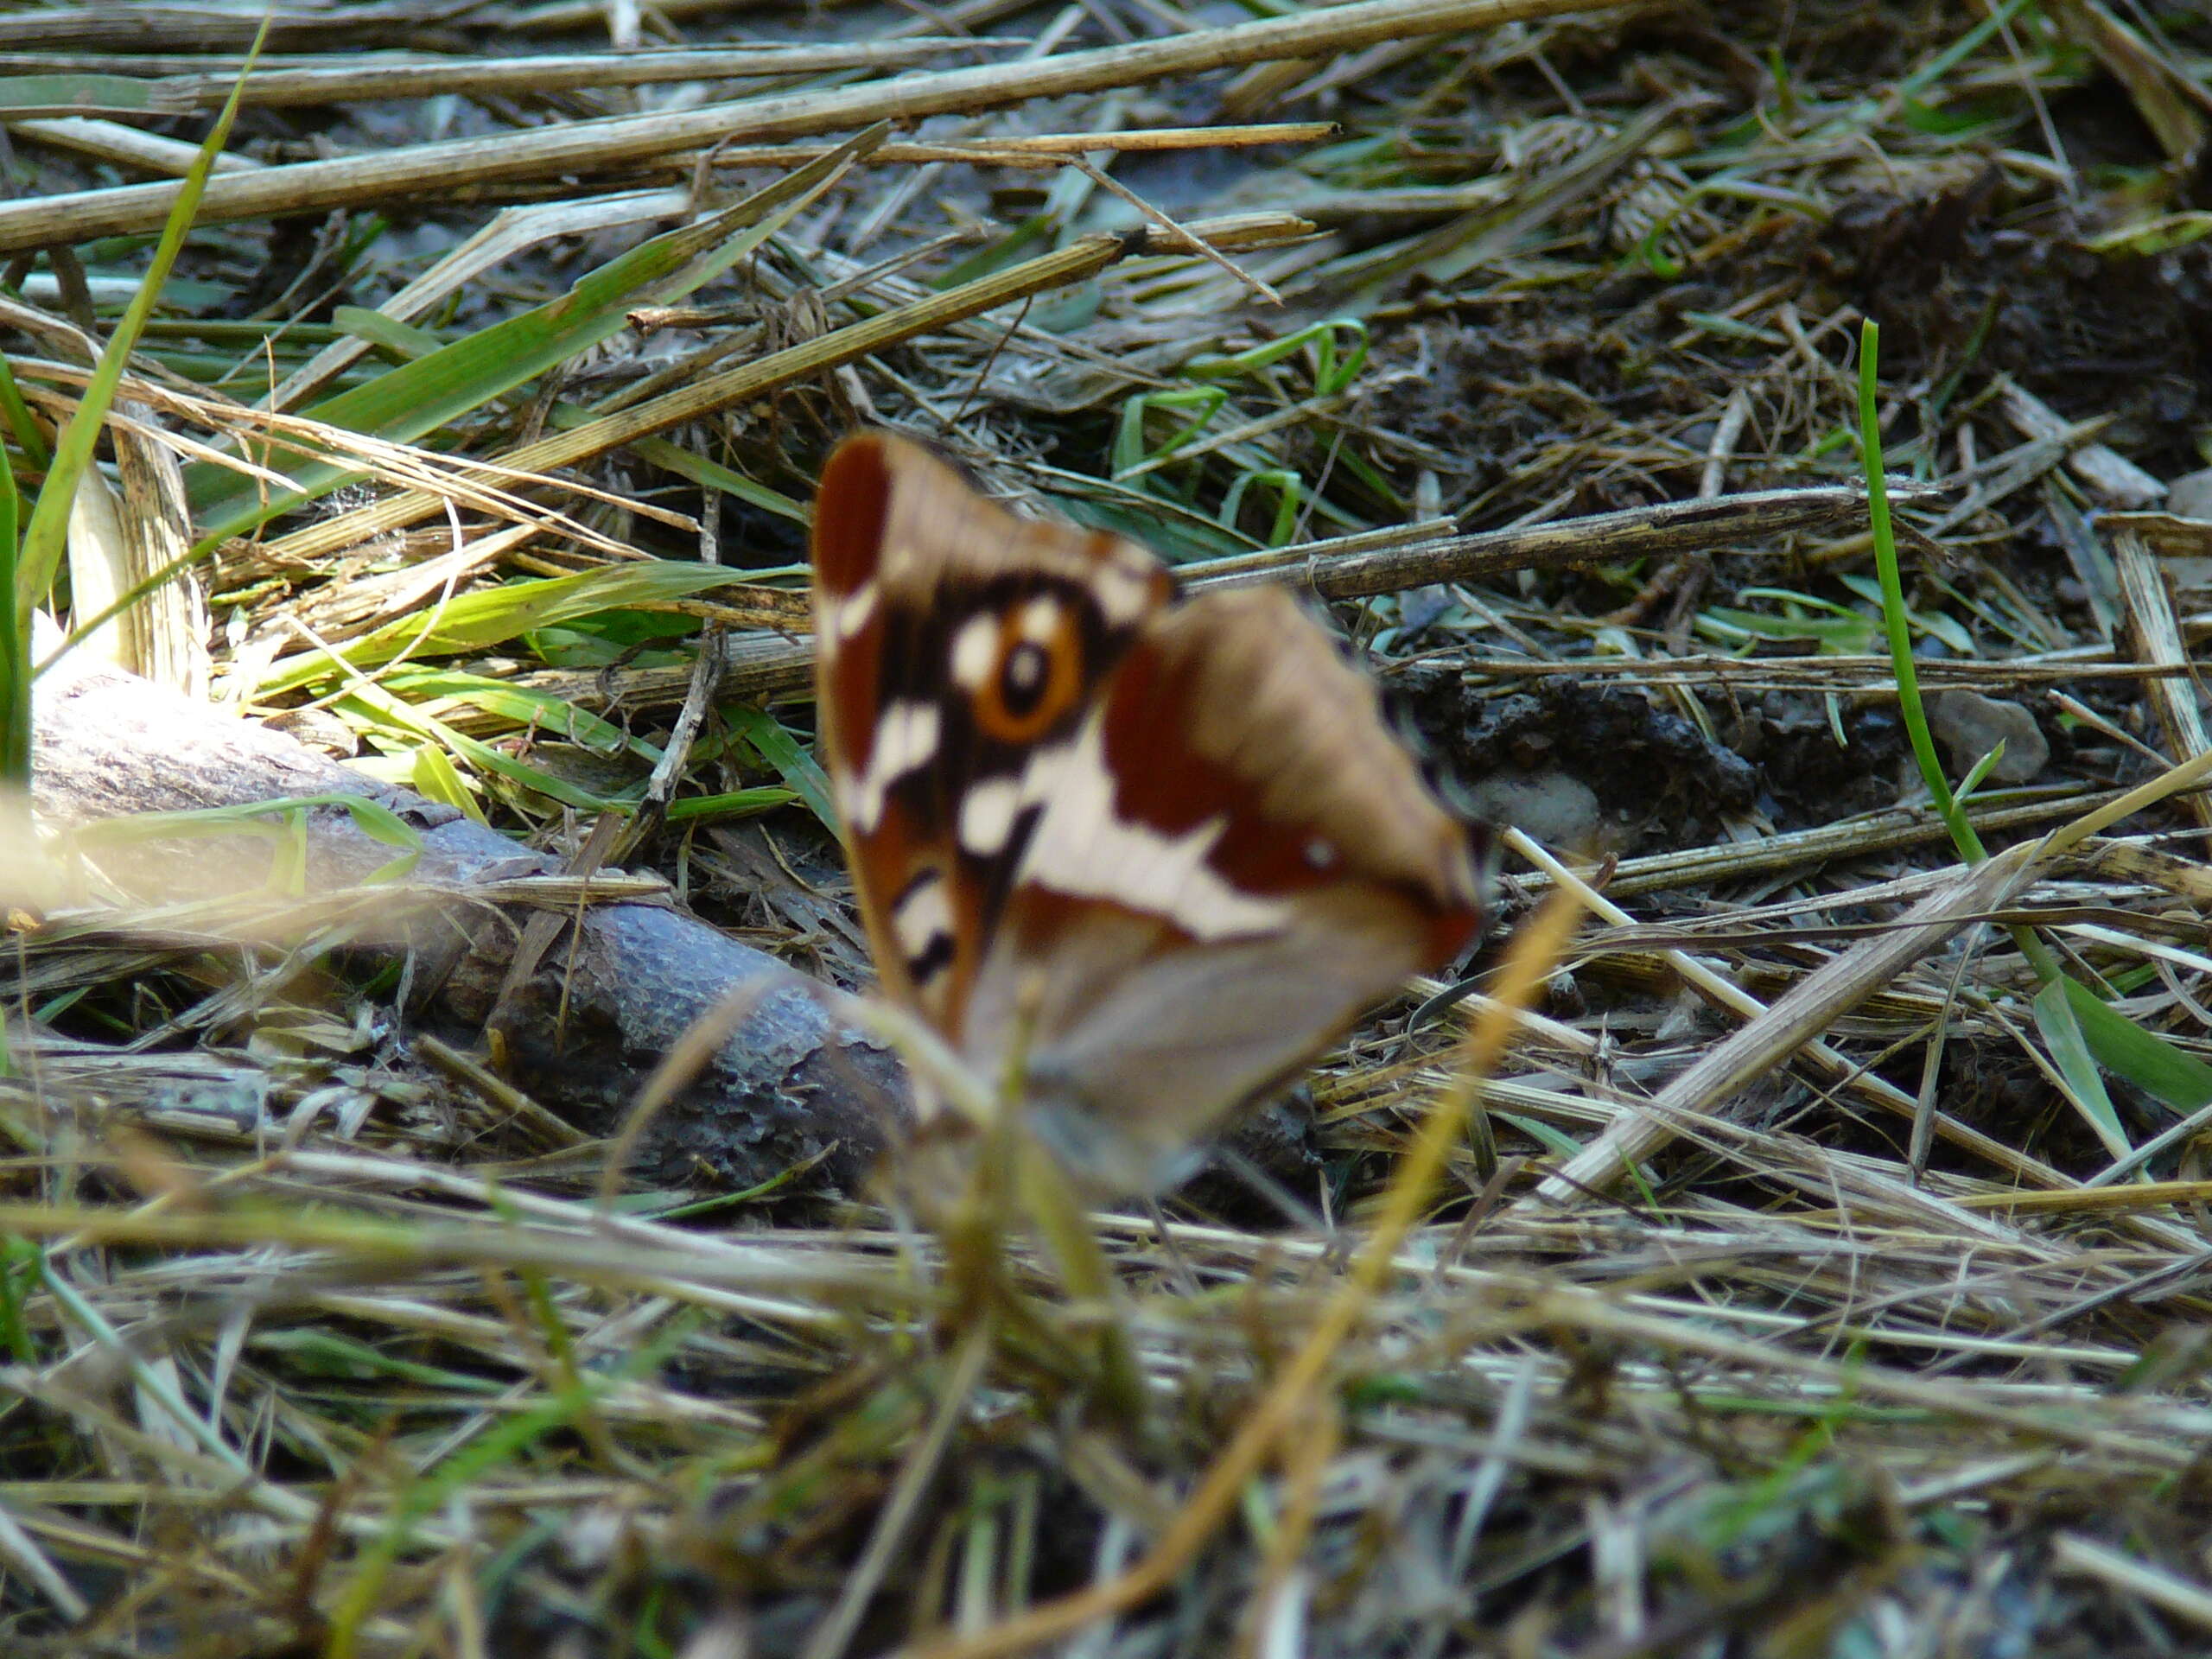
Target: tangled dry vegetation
{"points": [[1825, 1273]]}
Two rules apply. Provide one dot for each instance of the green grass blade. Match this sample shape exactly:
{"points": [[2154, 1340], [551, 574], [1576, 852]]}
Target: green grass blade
{"points": [[23, 96], [287, 833], [420, 397], [371, 707], [2081, 1032], [435, 691], [402, 340], [21, 424], [2069, 1051], [2145, 1059], [14, 641], [47, 537], [793, 764], [712, 475], [1895, 617], [494, 615], [736, 804], [437, 778]]}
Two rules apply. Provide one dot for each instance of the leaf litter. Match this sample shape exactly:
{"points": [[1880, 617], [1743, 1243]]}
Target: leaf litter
{"points": [[1823, 1271]]}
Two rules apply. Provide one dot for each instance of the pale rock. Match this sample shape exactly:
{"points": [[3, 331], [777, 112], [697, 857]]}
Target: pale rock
{"points": [[1553, 808], [1969, 725]]}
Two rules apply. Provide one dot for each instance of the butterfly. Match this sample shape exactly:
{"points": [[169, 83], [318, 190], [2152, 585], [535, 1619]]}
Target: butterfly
{"points": [[1163, 848]]}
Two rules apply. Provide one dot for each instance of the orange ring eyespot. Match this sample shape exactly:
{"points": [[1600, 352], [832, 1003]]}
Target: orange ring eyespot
{"points": [[1036, 676]]}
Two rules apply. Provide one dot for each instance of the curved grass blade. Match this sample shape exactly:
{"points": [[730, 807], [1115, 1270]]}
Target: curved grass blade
{"points": [[2069, 1051], [47, 534], [494, 615], [377, 821], [2165, 1073], [799, 769], [420, 397], [2081, 1032]]}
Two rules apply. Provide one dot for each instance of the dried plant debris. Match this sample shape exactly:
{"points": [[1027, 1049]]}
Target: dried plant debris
{"points": [[1822, 1266]]}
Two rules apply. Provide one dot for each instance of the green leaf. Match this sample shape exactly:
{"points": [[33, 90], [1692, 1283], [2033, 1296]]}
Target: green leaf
{"points": [[402, 339], [2061, 1035], [1290, 489], [1561, 1145], [15, 648], [987, 261], [2142, 1057], [374, 709], [435, 691], [378, 822], [21, 425], [1948, 629], [436, 779], [1130, 449], [320, 1352], [1329, 376], [780, 749], [1981, 769], [734, 804], [23, 96], [712, 475], [420, 397], [490, 616], [2148, 238], [46, 535], [1845, 635], [1943, 122]]}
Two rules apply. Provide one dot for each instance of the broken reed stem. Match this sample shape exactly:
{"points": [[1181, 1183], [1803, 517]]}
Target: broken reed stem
{"points": [[1083, 258], [1034, 150], [552, 72], [1658, 531], [1774, 1033], [1537, 947], [2148, 611], [619, 141], [776, 667], [2190, 774]]}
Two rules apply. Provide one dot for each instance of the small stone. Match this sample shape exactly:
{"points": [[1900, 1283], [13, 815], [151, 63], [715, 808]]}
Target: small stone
{"points": [[1551, 807], [1969, 725], [2190, 495]]}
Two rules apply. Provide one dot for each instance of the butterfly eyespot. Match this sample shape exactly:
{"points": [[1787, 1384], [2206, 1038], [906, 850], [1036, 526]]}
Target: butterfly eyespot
{"points": [[1022, 679], [1036, 678]]}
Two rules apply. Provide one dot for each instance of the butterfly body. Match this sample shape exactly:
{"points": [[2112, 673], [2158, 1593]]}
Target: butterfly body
{"points": [[1160, 848]]}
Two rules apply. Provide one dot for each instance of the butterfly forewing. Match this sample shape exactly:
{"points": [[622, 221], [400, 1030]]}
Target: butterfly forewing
{"points": [[952, 639], [1164, 850]]}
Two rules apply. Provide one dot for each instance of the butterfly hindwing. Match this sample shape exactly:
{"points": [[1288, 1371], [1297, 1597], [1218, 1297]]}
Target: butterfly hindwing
{"points": [[1234, 861]]}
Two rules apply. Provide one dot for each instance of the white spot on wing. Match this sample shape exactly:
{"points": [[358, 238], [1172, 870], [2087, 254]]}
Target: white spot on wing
{"points": [[1124, 592], [974, 651], [1082, 849], [850, 615], [906, 741], [1040, 620], [922, 916], [987, 816]]}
